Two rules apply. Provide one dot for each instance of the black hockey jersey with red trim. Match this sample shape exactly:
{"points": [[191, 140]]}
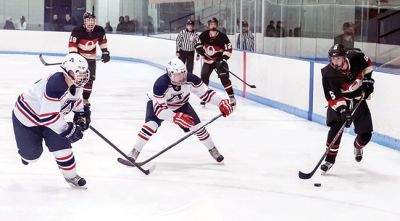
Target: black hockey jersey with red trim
{"points": [[215, 46], [84, 42], [339, 86]]}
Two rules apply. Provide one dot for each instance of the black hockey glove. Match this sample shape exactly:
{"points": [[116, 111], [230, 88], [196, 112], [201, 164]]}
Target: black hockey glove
{"points": [[345, 115], [221, 64], [83, 118], [368, 87], [105, 56], [200, 50], [73, 133]]}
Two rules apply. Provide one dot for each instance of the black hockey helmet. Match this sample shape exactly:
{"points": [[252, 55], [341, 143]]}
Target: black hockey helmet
{"points": [[89, 21], [213, 20], [337, 50], [88, 15], [190, 22]]}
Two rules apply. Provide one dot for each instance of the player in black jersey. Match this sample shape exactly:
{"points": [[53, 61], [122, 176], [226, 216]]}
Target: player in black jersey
{"points": [[345, 79], [216, 49], [83, 40]]}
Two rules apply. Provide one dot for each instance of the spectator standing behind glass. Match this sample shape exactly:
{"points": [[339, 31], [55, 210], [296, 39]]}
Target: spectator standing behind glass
{"points": [[9, 24], [121, 24], [347, 38], [108, 28], [271, 30], [56, 24], [150, 26], [280, 30], [129, 26], [245, 40], [185, 42], [69, 23], [22, 23]]}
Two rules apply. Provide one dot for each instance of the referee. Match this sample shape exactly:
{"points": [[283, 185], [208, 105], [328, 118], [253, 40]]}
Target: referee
{"points": [[185, 42]]}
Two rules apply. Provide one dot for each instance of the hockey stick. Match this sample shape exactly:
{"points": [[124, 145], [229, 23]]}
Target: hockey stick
{"points": [[45, 63], [309, 175], [147, 172], [128, 163], [250, 85], [48, 64]]}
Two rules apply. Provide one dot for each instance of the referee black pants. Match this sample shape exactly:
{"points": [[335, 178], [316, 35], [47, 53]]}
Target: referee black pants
{"points": [[187, 57]]}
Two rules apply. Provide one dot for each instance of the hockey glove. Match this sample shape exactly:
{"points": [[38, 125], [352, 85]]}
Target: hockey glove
{"points": [[221, 64], [105, 56], [368, 87], [225, 107], [183, 120], [200, 50], [83, 118], [345, 115], [73, 133]]}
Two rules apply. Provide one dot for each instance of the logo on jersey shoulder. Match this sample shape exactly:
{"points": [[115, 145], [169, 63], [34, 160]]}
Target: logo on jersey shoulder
{"points": [[67, 107]]}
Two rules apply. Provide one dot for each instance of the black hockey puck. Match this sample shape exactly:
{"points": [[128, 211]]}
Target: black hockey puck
{"points": [[317, 184]]}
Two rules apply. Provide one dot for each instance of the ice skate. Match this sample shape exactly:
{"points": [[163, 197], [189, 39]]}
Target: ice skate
{"points": [[216, 155], [325, 167], [358, 154], [77, 182]]}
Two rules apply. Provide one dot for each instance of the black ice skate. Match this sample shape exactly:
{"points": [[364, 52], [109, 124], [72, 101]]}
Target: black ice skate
{"points": [[77, 182], [216, 155], [358, 154], [325, 167], [203, 104], [232, 100]]}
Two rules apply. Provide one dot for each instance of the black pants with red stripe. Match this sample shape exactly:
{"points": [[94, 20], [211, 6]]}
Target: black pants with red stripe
{"points": [[362, 127], [87, 91], [223, 76]]}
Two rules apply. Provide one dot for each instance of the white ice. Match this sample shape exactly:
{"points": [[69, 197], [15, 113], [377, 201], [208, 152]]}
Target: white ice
{"points": [[263, 148]]}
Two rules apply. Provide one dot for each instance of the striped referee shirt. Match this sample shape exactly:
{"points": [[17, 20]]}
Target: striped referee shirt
{"points": [[247, 43], [186, 40]]}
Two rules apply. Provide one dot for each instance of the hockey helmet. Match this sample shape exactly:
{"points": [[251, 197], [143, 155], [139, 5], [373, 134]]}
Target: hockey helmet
{"points": [[336, 50], [190, 22], [89, 21], [76, 68], [177, 72]]}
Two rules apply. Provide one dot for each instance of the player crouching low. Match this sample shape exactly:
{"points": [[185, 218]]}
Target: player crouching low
{"points": [[169, 101], [39, 115]]}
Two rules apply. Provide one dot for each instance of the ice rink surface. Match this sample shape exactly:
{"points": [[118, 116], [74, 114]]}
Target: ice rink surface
{"points": [[263, 148]]}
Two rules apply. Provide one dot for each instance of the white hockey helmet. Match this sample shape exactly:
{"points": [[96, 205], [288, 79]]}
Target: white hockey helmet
{"points": [[76, 68], [177, 72]]}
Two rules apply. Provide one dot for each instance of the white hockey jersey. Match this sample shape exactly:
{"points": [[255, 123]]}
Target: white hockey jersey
{"points": [[167, 97], [47, 102]]}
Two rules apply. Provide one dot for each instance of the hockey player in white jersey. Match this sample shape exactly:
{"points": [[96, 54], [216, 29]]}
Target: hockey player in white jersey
{"points": [[39, 115], [169, 101]]}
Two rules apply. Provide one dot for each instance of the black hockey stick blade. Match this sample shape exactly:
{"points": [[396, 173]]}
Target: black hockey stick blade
{"points": [[145, 171], [127, 162], [45, 63]]}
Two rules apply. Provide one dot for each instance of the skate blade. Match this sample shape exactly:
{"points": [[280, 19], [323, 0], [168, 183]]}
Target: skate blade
{"points": [[78, 187]]}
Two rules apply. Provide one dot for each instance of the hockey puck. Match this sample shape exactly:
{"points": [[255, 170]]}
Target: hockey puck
{"points": [[317, 184]]}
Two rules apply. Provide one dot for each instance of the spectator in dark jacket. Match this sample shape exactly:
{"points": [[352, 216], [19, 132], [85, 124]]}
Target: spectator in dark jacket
{"points": [[56, 24], [347, 38], [9, 24], [108, 27], [121, 24], [280, 30], [270, 30]]}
